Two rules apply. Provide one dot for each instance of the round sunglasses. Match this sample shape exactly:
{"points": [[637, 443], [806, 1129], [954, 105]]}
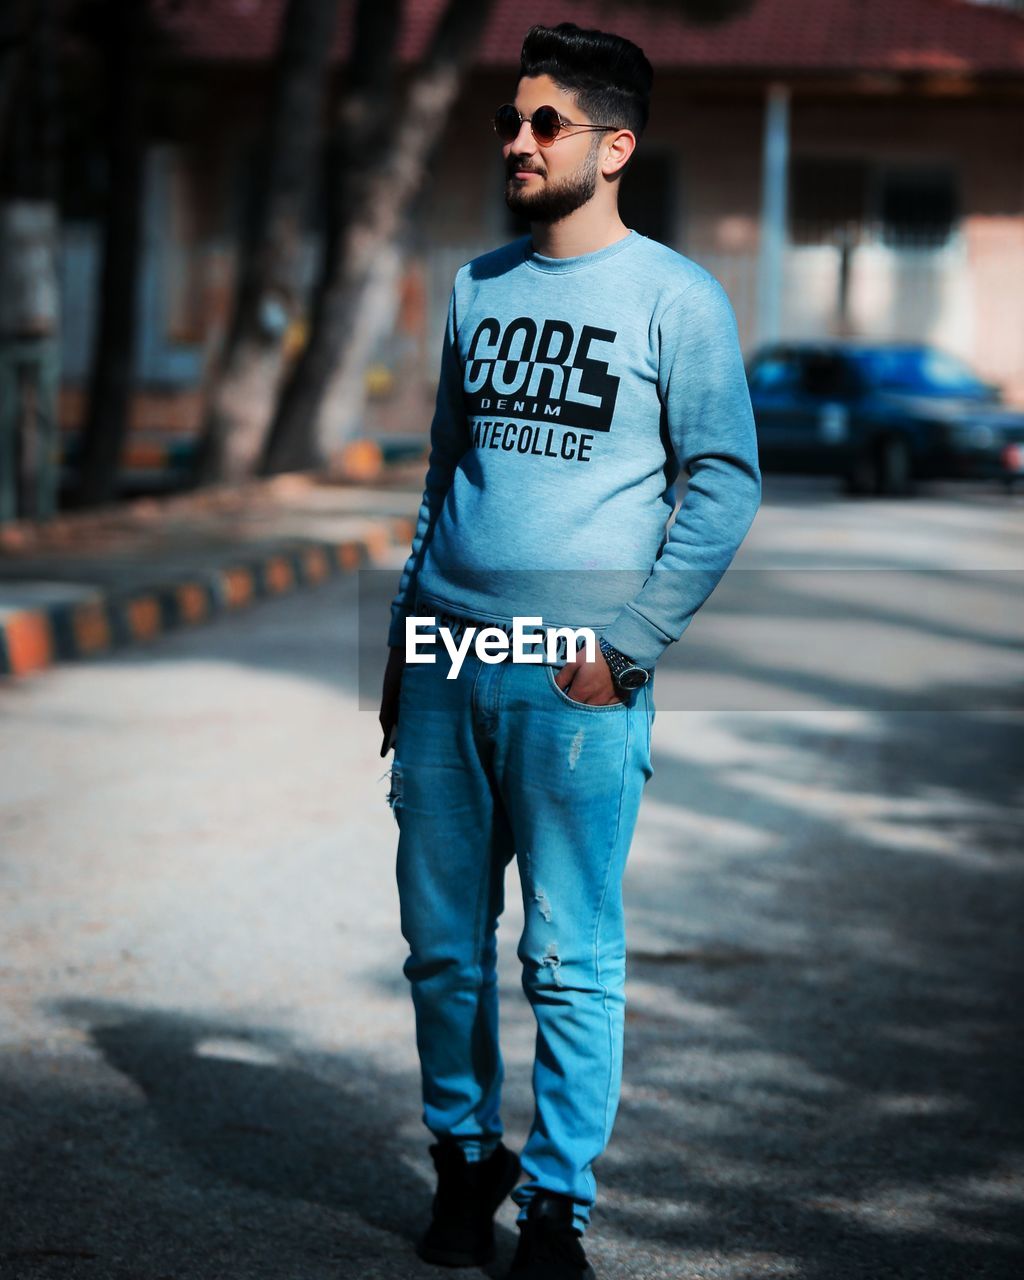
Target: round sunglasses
{"points": [[545, 124]]}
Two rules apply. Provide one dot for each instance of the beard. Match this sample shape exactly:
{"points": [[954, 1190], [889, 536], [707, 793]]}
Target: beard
{"points": [[555, 200]]}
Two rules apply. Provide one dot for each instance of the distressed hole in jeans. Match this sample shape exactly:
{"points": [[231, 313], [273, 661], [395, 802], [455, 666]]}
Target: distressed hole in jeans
{"points": [[394, 796], [551, 960], [536, 892], [541, 899]]}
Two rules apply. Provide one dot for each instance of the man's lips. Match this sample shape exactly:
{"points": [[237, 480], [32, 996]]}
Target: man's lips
{"points": [[526, 173]]}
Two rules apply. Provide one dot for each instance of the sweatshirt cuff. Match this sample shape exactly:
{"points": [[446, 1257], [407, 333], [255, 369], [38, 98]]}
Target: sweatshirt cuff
{"points": [[637, 638]]}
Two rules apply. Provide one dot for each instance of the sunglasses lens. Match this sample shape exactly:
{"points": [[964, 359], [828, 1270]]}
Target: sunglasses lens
{"points": [[545, 124], [506, 122]]}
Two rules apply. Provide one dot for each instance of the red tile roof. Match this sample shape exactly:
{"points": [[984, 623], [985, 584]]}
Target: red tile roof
{"points": [[798, 36]]}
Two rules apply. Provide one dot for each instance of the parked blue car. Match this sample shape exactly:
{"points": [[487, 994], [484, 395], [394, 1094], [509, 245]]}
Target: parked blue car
{"points": [[881, 416]]}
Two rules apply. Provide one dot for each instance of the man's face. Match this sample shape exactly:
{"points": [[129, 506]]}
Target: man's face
{"points": [[546, 184]]}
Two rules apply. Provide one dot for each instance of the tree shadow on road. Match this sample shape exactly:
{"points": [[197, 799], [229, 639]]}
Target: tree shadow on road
{"points": [[200, 1146]]}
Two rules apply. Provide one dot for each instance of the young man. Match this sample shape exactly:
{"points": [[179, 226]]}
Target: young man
{"points": [[583, 367]]}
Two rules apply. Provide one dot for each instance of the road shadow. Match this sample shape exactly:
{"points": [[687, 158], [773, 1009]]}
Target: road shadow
{"points": [[197, 1142], [824, 1059]]}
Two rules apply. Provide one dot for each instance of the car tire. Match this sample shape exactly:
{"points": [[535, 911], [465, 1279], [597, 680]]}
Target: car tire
{"points": [[894, 467], [861, 478]]}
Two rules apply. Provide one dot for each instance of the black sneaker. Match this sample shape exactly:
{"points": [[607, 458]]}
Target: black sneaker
{"points": [[468, 1192], [549, 1245]]}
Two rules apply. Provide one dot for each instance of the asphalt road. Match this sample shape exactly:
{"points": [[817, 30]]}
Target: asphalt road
{"points": [[207, 1065]]}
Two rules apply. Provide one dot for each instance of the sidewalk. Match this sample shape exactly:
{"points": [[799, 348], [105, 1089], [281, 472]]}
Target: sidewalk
{"points": [[89, 582]]}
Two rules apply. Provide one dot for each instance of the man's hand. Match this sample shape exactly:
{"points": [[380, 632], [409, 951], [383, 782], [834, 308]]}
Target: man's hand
{"points": [[590, 682], [389, 697]]}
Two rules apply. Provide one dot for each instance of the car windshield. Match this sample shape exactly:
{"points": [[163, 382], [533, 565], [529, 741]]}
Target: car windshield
{"points": [[922, 371]]}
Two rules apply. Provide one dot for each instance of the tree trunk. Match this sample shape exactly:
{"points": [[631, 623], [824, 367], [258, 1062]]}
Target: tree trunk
{"points": [[379, 182], [114, 354], [247, 374], [29, 244], [344, 401], [15, 26]]}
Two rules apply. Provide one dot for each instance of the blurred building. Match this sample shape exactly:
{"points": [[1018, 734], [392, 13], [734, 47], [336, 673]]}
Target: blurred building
{"points": [[842, 166]]}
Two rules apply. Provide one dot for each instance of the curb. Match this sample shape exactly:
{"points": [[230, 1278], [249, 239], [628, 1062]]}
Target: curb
{"points": [[97, 622]]}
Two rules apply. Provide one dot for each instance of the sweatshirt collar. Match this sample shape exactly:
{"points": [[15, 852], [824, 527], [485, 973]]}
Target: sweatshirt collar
{"points": [[560, 265]]}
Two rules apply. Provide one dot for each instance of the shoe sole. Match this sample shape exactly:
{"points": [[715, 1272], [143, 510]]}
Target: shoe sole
{"points": [[452, 1258], [589, 1274]]}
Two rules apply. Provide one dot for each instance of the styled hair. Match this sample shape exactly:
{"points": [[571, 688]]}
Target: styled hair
{"points": [[607, 75]]}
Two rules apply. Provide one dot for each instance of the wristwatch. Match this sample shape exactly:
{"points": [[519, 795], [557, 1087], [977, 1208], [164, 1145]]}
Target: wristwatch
{"points": [[625, 672]]}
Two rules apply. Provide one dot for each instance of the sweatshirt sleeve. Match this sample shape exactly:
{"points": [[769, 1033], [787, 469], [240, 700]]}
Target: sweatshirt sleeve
{"points": [[449, 439], [707, 410]]}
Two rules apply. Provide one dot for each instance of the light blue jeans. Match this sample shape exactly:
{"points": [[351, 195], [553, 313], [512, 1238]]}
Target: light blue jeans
{"points": [[495, 764]]}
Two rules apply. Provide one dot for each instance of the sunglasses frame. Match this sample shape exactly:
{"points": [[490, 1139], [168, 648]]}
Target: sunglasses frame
{"points": [[562, 124]]}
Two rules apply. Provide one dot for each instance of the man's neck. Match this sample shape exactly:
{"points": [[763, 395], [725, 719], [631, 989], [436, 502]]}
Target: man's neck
{"points": [[575, 235]]}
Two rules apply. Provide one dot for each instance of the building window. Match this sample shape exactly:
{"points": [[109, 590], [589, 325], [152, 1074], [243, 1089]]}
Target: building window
{"points": [[917, 208], [836, 200], [827, 198]]}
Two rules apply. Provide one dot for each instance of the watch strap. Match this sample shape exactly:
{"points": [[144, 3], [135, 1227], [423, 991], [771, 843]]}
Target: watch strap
{"points": [[620, 663]]}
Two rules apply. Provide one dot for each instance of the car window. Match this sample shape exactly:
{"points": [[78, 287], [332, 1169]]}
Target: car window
{"points": [[826, 374], [922, 371], [775, 373]]}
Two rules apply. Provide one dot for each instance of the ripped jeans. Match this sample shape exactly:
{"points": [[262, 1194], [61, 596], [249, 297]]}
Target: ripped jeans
{"points": [[495, 764]]}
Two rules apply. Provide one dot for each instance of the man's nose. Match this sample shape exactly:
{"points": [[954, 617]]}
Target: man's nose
{"points": [[525, 135]]}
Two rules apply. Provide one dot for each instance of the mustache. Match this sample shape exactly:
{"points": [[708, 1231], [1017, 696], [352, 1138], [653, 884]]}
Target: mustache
{"points": [[511, 168]]}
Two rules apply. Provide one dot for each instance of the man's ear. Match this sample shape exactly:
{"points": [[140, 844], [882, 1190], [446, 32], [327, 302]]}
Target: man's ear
{"points": [[617, 151]]}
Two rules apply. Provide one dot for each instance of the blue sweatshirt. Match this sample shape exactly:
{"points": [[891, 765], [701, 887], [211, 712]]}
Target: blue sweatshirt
{"points": [[572, 392]]}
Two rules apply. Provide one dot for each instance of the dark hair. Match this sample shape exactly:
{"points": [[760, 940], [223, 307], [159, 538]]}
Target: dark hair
{"points": [[608, 75]]}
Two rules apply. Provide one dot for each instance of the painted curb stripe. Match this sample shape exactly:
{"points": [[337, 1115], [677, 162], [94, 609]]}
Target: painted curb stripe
{"points": [[90, 629], [238, 587], [349, 555], [278, 575], [33, 639], [30, 642], [315, 565], [144, 617], [193, 602]]}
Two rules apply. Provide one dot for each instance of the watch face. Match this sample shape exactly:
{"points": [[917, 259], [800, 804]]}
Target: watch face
{"points": [[634, 678]]}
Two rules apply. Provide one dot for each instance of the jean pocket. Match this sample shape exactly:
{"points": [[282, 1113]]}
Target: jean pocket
{"points": [[563, 697]]}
